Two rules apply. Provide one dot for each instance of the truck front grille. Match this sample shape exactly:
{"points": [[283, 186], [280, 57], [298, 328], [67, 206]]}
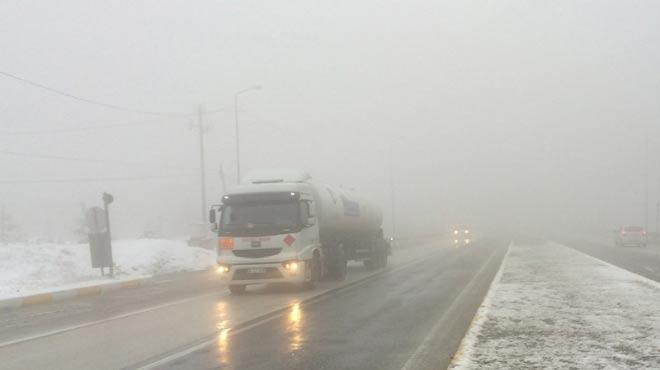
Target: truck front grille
{"points": [[256, 253], [245, 274]]}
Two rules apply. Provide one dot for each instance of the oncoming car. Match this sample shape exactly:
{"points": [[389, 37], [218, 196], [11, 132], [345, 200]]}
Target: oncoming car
{"points": [[461, 235]]}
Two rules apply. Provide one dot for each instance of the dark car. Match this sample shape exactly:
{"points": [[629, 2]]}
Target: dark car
{"points": [[631, 236]]}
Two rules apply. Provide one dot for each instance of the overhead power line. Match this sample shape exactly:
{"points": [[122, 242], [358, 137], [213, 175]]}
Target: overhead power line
{"points": [[86, 100], [92, 160], [66, 130], [93, 179], [85, 128]]}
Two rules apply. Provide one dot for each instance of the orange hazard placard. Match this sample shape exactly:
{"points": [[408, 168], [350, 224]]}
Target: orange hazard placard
{"points": [[226, 243]]}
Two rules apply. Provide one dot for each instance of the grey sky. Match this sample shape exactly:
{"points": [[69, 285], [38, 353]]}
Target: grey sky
{"points": [[497, 113]]}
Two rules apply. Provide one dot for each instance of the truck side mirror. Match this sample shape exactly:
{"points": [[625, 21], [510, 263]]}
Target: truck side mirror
{"points": [[307, 212], [212, 216]]}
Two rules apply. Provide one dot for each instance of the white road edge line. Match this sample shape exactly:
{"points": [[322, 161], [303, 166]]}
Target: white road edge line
{"points": [[270, 317], [634, 274], [97, 322], [422, 348], [478, 320]]}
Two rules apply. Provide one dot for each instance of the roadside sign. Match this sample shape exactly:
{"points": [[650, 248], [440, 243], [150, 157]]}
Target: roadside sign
{"points": [[100, 250], [100, 241], [96, 222]]}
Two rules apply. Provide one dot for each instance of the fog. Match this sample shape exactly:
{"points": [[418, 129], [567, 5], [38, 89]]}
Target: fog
{"points": [[506, 114]]}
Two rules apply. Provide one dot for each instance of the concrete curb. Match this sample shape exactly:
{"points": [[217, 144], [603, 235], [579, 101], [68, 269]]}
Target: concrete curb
{"points": [[70, 293]]}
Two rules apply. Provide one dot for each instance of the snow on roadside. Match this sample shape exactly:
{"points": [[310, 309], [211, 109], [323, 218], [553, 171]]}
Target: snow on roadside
{"points": [[555, 307], [28, 268]]}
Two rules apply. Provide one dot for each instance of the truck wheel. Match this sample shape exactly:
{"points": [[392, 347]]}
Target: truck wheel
{"points": [[237, 289], [315, 273], [384, 253], [383, 258], [338, 264]]}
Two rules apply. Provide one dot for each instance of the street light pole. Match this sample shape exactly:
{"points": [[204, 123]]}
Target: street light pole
{"points": [[238, 143], [646, 182], [202, 165]]}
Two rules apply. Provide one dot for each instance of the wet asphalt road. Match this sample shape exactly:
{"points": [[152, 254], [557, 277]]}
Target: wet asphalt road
{"points": [[373, 320], [32, 320], [643, 261], [379, 324]]}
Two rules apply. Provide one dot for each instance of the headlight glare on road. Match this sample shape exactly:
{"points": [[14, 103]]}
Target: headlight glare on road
{"points": [[222, 269]]}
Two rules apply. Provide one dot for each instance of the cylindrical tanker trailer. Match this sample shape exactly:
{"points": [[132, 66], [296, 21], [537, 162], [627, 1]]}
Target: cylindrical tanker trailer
{"points": [[282, 227]]}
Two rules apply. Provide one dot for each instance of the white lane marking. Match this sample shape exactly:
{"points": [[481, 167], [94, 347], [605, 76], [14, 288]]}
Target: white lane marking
{"points": [[112, 318], [423, 347], [164, 281], [272, 315]]}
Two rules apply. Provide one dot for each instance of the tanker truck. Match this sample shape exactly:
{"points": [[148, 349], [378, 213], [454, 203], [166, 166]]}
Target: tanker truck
{"points": [[282, 227]]}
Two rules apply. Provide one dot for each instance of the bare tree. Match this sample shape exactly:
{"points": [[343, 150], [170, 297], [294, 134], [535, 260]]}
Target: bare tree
{"points": [[7, 227], [82, 230]]}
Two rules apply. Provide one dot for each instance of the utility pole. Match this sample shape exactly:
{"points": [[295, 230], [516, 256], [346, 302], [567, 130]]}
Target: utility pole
{"points": [[202, 169], [238, 143], [222, 179], [392, 200]]}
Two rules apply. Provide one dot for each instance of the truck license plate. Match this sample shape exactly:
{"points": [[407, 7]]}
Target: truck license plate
{"points": [[258, 270]]}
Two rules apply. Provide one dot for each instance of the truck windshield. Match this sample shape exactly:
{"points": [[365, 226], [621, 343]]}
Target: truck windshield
{"points": [[260, 218]]}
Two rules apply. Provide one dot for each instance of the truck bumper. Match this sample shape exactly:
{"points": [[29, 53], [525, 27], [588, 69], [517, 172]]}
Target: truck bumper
{"points": [[265, 273]]}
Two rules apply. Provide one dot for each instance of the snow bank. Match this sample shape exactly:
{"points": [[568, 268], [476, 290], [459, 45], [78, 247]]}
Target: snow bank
{"points": [[554, 307], [28, 268]]}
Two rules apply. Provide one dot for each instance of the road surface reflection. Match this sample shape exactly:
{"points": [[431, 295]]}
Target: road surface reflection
{"points": [[223, 337], [295, 327]]}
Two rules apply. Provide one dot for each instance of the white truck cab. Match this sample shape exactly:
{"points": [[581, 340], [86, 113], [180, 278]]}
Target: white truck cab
{"points": [[267, 234], [270, 231]]}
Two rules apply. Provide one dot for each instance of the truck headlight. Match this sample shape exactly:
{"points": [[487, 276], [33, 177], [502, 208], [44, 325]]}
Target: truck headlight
{"points": [[222, 269], [291, 266]]}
